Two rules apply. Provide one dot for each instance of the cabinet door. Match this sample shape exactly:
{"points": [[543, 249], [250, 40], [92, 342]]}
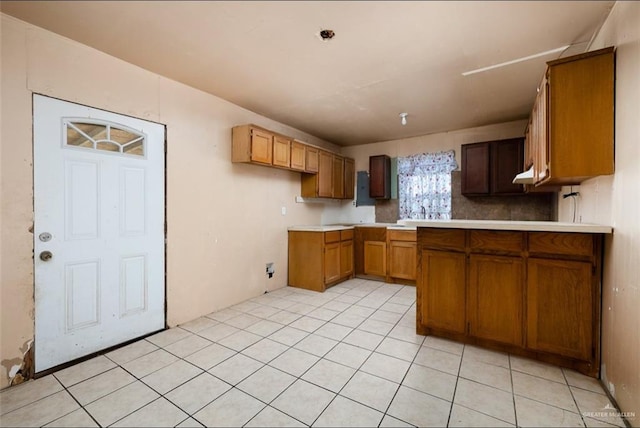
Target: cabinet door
{"points": [[311, 159], [375, 258], [325, 175], [495, 298], [349, 178], [475, 169], [506, 161], [402, 260], [261, 146], [560, 307], [281, 151], [331, 262], [443, 283], [337, 182], [297, 156], [346, 258], [380, 177]]}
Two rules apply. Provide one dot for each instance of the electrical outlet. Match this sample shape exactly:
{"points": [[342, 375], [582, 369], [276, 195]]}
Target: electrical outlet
{"points": [[283, 210], [270, 269]]}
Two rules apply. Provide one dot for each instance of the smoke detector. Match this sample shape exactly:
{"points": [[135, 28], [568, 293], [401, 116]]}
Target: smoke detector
{"points": [[327, 34]]}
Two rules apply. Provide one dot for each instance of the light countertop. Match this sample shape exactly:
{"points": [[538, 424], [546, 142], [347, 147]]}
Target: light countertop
{"points": [[330, 227], [527, 226]]}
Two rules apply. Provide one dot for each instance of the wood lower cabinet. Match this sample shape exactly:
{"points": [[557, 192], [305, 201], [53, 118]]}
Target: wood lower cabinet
{"points": [[346, 257], [442, 295], [375, 258], [318, 260], [535, 294], [401, 256], [494, 307], [560, 308]]}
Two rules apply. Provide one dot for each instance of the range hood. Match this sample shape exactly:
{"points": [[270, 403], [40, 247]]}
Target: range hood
{"points": [[524, 177]]}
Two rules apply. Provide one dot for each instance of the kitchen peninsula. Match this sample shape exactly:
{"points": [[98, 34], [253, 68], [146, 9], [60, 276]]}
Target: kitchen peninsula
{"points": [[524, 287]]}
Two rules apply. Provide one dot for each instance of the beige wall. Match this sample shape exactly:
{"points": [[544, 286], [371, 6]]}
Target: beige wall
{"points": [[224, 220], [615, 200]]}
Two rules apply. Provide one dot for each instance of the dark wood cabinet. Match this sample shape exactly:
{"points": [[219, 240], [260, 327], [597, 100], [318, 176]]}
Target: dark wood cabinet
{"points": [[475, 169], [380, 177], [506, 161], [488, 168]]}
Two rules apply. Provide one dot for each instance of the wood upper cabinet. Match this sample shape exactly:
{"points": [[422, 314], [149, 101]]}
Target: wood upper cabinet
{"points": [[281, 151], [380, 177], [337, 183], [252, 144], [442, 295], [325, 175], [488, 168], [298, 156], [331, 179], [495, 298], [475, 168], [572, 121], [349, 178], [311, 156]]}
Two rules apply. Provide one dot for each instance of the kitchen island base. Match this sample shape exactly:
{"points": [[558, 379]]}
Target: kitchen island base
{"points": [[535, 294]]}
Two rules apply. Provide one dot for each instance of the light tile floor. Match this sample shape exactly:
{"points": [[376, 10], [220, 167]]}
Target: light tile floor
{"points": [[346, 357]]}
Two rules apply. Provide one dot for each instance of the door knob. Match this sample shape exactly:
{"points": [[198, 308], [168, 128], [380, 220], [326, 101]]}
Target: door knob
{"points": [[45, 256]]}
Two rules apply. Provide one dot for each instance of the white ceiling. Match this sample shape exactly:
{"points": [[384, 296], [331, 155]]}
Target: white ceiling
{"points": [[387, 57]]}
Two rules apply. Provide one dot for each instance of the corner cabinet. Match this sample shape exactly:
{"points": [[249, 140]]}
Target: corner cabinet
{"points": [[535, 294], [570, 136], [334, 179], [320, 259]]}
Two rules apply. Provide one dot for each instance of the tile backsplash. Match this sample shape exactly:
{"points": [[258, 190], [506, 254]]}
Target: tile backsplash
{"points": [[536, 206]]}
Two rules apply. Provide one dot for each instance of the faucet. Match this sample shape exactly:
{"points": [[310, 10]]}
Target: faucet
{"points": [[424, 212]]}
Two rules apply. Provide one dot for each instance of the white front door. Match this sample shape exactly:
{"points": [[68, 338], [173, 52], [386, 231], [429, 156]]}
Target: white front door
{"points": [[98, 230]]}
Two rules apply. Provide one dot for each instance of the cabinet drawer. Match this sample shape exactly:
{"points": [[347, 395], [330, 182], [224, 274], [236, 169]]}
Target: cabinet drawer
{"points": [[402, 235], [496, 240], [333, 236], [442, 239], [573, 244], [345, 235]]}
